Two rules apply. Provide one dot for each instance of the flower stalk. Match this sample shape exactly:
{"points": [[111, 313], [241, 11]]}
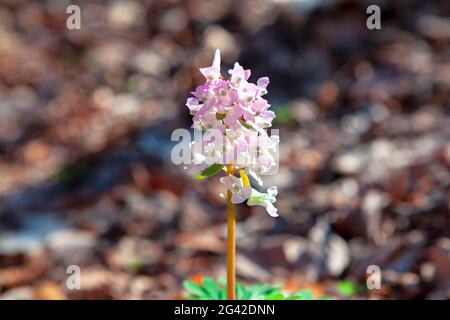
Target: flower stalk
{"points": [[231, 243]]}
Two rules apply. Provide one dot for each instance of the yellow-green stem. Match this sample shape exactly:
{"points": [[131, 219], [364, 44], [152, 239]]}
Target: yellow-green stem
{"points": [[231, 244]]}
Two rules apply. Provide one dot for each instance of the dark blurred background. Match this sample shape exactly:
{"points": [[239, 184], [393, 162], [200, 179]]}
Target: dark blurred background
{"points": [[85, 171]]}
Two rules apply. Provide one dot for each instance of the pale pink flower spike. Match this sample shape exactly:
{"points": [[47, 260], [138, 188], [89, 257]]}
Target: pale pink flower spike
{"points": [[237, 109]]}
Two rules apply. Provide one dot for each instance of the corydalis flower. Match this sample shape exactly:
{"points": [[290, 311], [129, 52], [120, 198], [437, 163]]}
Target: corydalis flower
{"points": [[236, 186], [264, 199], [237, 110]]}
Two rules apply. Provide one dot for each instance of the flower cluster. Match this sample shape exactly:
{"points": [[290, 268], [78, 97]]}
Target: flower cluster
{"points": [[236, 110]]}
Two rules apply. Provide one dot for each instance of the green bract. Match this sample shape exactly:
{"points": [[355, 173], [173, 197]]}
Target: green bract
{"points": [[210, 171]]}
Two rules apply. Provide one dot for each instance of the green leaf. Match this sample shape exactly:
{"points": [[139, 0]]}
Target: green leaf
{"points": [[259, 291], [223, 294], [293, 297], [222, 281], [193, 288], [275, 296], [346, 288], [211, 288], [242, 292], [305, 295], [212, 170]]}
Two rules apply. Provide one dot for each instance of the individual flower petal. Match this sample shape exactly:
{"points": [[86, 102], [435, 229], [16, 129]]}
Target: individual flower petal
{"points": [[212, 73], [193, 105], [232, 116], [216, 60], [241, 196], [204, 92], [264, 119], [262, 84], [229, 182], [235, 185], [272, 191], [238, 75], [255, 175], [259, 105], [265, 200], [247, 92], [271, 210]]}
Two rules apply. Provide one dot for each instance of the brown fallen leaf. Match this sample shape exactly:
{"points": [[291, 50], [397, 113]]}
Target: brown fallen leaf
{"points": [[21, 275]]}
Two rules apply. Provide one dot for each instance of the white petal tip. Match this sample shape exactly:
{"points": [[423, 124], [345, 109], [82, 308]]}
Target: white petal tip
{"points": [[216, 60], [274, 214]]}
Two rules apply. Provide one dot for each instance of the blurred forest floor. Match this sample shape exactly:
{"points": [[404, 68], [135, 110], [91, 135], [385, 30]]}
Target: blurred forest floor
{"points": [[85, 171]]}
